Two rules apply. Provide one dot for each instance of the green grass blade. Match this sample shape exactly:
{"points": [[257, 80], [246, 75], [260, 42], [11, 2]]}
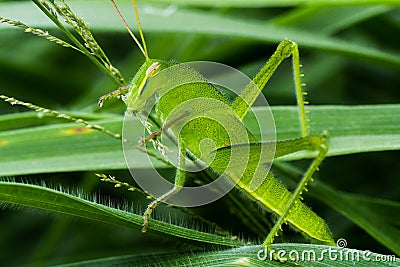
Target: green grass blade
{"points": [[276, 3], [353, 129], [64, 147], [378, 217], [198, 22], [55, 201], [329, 20], [59, 147], [243, 256], [51, 200]]}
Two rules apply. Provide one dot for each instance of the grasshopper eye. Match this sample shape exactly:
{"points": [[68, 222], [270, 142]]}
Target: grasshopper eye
{"points": [[153, 69]]}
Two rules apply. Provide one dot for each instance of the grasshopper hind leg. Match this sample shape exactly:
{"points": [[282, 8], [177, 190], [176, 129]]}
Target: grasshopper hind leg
{"points": [[284, 50], [322, 149]]}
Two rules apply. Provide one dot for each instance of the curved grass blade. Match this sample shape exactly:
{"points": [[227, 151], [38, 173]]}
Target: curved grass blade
{"points": [[157, 19], [247, 256], [55, 201]]}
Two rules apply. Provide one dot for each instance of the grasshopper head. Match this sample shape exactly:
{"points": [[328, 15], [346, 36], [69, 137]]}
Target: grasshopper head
{"points": [[139, 93]]}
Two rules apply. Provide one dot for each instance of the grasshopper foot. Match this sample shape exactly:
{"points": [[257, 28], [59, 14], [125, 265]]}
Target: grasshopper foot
{"points": [[147, 214], [154, 204], [146, 217]]}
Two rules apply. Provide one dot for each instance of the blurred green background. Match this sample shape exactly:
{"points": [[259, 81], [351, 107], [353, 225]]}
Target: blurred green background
{"points": [[35, 70]]}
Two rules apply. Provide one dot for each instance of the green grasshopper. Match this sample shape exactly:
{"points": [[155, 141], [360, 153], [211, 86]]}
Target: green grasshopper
{"points": [[271, 195]]}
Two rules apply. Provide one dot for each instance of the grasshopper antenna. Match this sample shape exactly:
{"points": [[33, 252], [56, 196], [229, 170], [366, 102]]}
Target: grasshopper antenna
{"points": [[140, 28], [142, 48]]}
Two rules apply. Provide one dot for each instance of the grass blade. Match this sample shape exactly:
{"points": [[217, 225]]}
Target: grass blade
{"points": [[245, 256], [276, 3], [69, 147], [55, 201], [209, 23]]}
